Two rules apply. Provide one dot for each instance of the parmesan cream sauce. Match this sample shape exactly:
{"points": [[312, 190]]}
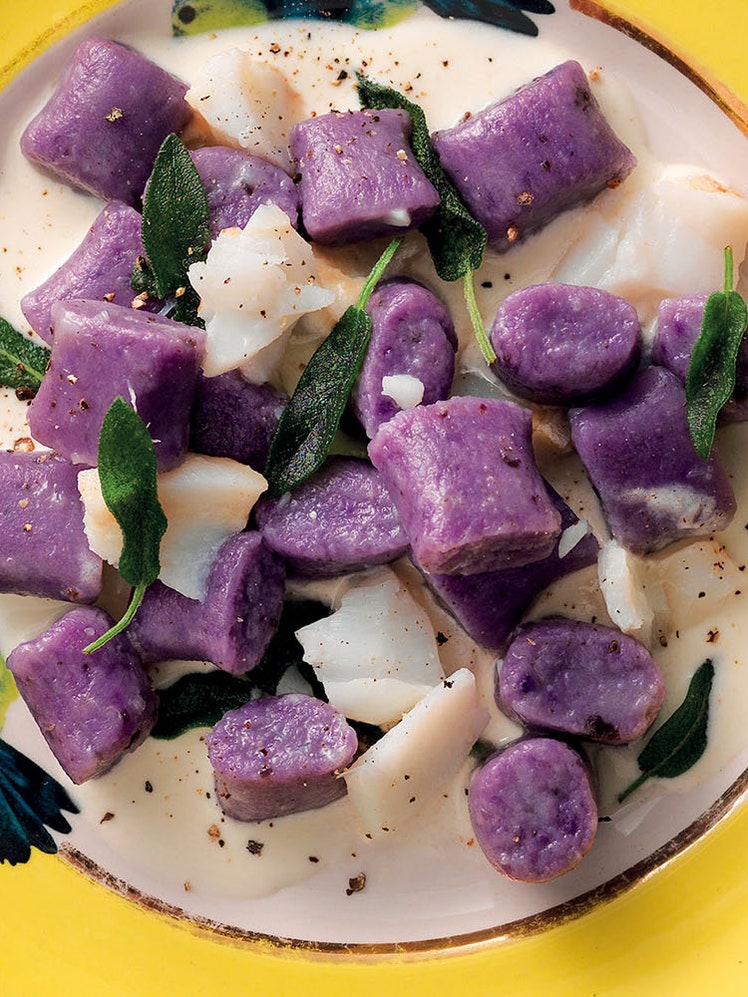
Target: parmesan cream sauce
{"points": [[162, 794]]}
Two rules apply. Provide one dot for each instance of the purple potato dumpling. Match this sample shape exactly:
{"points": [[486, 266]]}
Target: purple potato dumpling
{"points": [[91, 708], [359, 178], [237, 183], [489, 604], [43, 546], [234, 623], [103, 126], [560, 344], [638, 452], [232, 417], [463, 477], [581, 679], [412, 333], [280, 755], [522, 161], [99, 269], [533, 810], [677, 329], [101, 351], [341, 519]]}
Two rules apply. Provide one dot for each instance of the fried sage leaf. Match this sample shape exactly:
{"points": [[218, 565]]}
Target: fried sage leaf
{"points": [[22, 362], [710, 380], [679, 743], [456, 240], [200, 699], [128, 475], [310, 420], [175, 231]]}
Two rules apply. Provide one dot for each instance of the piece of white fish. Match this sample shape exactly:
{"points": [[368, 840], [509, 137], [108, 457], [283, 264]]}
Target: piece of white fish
{"points": [[254, 285], [667, 239], [376, 655], [247, 104], [415, 758], [205, 499]]}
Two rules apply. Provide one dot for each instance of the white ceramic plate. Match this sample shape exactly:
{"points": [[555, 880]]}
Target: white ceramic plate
{"points": [[421, 889]]}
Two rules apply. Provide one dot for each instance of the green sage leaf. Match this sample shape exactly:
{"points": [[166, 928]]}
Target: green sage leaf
{"points": [[710, 380], [128, 474], [456, 240], [175, 230], [310, 420], [679, 743], [22, 362], [199, 699]]}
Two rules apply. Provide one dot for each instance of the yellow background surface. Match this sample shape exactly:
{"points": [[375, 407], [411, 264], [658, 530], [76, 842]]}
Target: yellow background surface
{"points": [[683, 931]]}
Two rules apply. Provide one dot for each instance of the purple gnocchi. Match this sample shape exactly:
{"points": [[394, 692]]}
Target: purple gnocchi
{"points": [[150, 361], [104, 124], [533, 810], [280, 755], [412, 334], [234, 623], [91, 708], [341, 519], [559, 344], [232, 417], [653, 486], [541, 151], [464, 480], [236, 183], [488, 605], [582, 679], [99, 269], [43, 546], [358, 177], [678, 327]]}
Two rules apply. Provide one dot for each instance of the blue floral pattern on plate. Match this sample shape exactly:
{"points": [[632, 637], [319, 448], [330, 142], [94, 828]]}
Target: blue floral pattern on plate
{"points": [[30, 802], [195, 16]]}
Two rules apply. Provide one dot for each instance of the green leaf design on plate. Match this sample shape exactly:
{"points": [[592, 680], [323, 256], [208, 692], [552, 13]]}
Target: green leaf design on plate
{"points": [[193, 18], [372, 14]]}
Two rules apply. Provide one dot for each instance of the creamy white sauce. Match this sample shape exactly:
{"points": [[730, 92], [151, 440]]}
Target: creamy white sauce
{"points": [[154, 818]]}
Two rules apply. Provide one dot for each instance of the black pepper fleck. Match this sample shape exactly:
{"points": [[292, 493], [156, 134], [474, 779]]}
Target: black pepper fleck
{"points": [[356, 884]]}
